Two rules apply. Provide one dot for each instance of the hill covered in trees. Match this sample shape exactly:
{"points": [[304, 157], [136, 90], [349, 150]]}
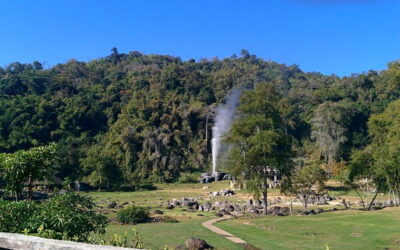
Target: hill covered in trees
{"points": [[126, 118]]}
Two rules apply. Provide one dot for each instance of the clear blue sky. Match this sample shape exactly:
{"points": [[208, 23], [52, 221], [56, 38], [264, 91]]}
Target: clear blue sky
{"points": [[329, 36]]}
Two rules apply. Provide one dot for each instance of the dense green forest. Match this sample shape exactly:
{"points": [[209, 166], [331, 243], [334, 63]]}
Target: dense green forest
{"points": [[126, 118]]}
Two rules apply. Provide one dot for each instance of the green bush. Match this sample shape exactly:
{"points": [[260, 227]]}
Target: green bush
{"points": [[68, 217], [72, 217], [188, 177], [133, 215], [18, 217]]}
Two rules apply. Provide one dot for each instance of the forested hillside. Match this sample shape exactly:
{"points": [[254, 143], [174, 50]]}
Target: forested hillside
{"points": [[125, 118]]}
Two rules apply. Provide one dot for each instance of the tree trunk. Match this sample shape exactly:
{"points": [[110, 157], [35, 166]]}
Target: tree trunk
{"points": [[372, 201], [345, 204], [305, 203], [30, 188], [361, 198], [291, 208], [100, 184], [265, 197]]}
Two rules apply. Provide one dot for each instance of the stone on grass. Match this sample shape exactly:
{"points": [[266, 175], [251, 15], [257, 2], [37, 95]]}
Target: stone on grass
{"points": [[169, 207], [196, 244], [158, 212], [112, 204], [219, 214]]}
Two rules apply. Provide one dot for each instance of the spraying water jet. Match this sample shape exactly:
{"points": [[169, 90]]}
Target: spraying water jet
{"points": [[224, 116]]}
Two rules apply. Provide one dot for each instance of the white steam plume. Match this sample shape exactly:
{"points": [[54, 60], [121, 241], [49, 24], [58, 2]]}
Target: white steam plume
{"points": [[225, 114]]}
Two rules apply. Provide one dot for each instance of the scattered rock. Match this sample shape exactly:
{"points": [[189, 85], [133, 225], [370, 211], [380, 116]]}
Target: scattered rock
{"points": [[310, 234], [219, 214], [112, 204], [223, 192], [169, 207], [158, 212], [175, 203], [196, 244], [207, 206]]}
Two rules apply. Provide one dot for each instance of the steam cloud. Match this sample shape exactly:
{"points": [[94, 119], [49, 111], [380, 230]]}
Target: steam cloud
{"points": [[225, 114]]}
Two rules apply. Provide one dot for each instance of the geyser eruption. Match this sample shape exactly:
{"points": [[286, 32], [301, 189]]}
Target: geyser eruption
{"points": [[225, 114]]}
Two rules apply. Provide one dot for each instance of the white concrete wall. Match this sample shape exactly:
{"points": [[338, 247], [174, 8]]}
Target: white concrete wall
{"points": [[24, 242]]}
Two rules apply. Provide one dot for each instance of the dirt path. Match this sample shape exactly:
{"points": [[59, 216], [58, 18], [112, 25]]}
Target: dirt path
{"points": [[209, 225]]}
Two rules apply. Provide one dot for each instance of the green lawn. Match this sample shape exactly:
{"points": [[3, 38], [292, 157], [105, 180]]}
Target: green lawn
{"points": [[157, 235], [336, 230]]}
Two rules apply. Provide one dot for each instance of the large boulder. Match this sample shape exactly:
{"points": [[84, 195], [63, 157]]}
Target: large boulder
{"points": [[237, 208], [175, 203], [285, 210], [188, 201], [206, 178], [229, 208], [112, 204], [196, 244], [207, 206], [158, 212], [228, 177], [218, 176]]}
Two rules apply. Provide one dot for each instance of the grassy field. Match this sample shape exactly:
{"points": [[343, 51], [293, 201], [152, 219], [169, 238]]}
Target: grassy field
{"points": [[157, 235], [334, 230]]}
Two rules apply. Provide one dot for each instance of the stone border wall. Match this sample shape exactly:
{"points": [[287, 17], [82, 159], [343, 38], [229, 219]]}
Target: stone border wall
{"points": [[24, 242]]}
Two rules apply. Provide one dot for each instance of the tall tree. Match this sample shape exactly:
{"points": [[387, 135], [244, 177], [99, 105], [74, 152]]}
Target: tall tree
{"points": [[307, 181], [328, 132], [27, 166], [258, 139], [385, 131]]}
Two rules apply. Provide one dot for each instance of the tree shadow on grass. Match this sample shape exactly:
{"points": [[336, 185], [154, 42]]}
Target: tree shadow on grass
{"points": [[340, 189]]}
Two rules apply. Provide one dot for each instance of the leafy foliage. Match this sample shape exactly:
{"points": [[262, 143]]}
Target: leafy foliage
{"points": [[133, 215], [68, 217], [307, 181], [259, 139], [17, 217], [26, 166], [149, 116]]}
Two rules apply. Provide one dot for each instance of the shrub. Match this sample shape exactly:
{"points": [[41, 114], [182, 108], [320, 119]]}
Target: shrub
{"points": [[187, 177], [133, 215], [18, 217], [68, 217], [71, 217]]}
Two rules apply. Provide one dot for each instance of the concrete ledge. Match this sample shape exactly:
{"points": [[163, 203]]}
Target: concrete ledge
{"points": [[24, 242]]}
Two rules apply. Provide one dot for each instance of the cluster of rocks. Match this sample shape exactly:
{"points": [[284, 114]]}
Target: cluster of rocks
{"points": [[223, 192], [225, 208], [191, 204], [313, 211], [321, 199], [217, 176], [115, 204]]}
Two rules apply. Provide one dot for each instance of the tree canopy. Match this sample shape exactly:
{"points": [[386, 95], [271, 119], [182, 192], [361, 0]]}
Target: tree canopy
{"points": [[150, 116]]}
